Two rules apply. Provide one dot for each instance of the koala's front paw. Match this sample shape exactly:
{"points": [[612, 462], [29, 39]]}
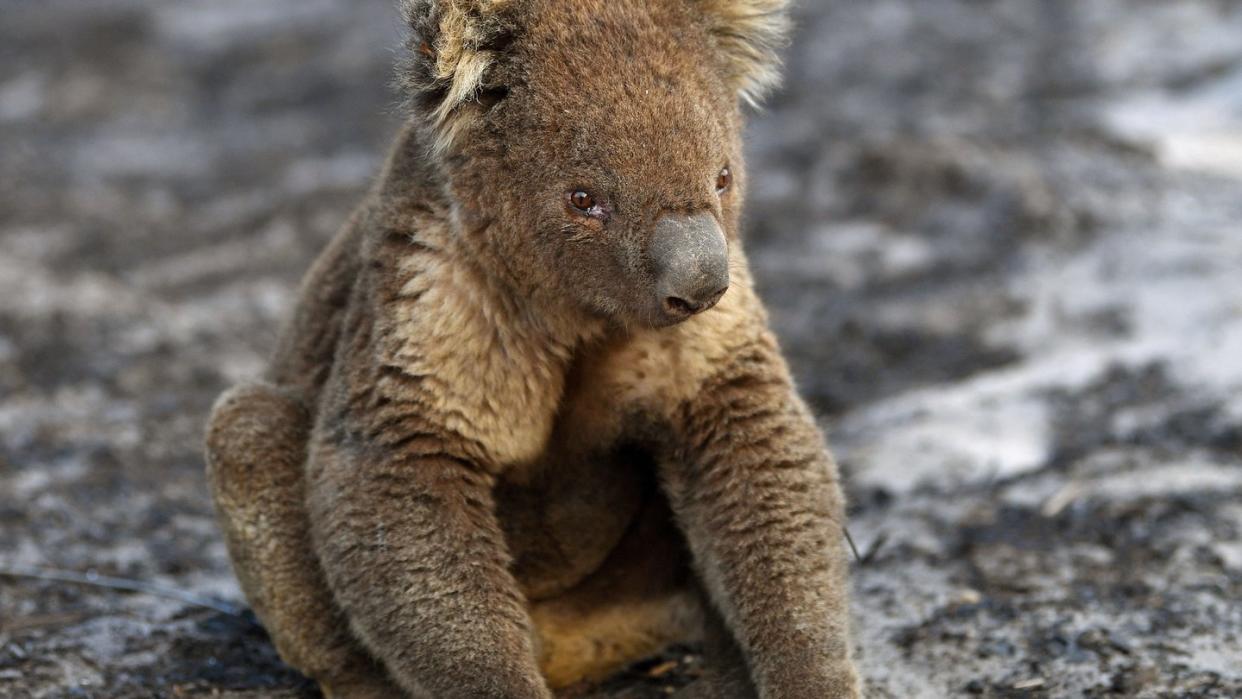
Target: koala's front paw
{"points": [[845, 684], [836, 680], [503, 683], [363, 685]]}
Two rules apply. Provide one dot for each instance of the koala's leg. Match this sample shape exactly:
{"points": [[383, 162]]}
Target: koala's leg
{"points": [[755, 492], [256, 446], [405, 529], [640, 600]]}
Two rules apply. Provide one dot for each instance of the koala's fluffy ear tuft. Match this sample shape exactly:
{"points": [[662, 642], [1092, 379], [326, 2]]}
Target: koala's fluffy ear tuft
{"points": [[451, 47], [749, 35]]}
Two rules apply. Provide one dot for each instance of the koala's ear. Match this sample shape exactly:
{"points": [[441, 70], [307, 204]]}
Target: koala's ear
{"points": [[749, 35], [451, 48]]}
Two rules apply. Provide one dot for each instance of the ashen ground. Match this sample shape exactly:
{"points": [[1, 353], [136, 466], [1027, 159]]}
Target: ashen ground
{"points": [[1001, 242]]}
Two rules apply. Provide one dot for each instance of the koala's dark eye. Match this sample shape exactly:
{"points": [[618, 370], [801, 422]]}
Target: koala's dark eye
{"points": [[724, 180], [582, 201], [585, 203]]}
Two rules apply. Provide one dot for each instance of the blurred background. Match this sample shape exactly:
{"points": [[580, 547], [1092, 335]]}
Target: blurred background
{"points": [[1001, 241]]}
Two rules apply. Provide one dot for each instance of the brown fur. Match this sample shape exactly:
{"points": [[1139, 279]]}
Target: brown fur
{"points": [[483, 463]]}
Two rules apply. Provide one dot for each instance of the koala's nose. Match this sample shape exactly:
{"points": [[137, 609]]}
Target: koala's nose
{"points": [[690, 260]]}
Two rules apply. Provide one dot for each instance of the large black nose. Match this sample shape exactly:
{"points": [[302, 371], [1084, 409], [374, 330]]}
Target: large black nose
{"points": [[690, 260]]}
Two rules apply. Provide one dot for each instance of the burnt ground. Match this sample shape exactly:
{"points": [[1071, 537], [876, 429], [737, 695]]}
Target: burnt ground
{"points": [[1002, 243]]}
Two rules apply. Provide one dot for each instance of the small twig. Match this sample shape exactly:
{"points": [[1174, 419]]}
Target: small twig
{"points": [[1033, 683], [93, 579], [874, 549], [853, 548], [43, 621], [1062, 499]]}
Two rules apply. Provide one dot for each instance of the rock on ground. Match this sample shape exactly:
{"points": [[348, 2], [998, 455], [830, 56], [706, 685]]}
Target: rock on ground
{"points": [[1002, 243]]}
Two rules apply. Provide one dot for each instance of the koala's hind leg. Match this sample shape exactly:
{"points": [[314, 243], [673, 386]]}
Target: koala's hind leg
{"points": [[256, 446], [725, 672], [641, 600]]}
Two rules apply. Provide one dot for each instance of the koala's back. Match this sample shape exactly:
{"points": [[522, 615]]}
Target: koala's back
{"points": [[304, 353]]}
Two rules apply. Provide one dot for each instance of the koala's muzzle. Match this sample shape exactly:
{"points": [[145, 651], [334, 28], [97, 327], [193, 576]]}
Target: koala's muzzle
{"points": [[690, 261]]}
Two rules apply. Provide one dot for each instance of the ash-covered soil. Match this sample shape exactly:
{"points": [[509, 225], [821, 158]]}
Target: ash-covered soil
{"points": [[1002, 242]]}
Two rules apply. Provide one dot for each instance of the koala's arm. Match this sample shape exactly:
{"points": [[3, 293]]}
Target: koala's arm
{"points": [[758, 498], [403, 522]]}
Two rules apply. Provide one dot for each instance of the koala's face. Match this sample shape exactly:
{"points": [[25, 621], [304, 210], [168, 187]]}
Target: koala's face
{"points": [[603, 152]]}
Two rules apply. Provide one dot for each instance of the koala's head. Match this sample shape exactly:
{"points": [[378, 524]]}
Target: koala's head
{"points": [[592, 147]]}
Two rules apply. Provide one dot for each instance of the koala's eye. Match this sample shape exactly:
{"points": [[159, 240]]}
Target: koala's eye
{"points": [[724, 180], [585, 203], [582, 201]]}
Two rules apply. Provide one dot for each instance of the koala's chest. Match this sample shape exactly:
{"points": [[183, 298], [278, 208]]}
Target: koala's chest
{"points": [[605, 394], [637, 382], [566, 512]]}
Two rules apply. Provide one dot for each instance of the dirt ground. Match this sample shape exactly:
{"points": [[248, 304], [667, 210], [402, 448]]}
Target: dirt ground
{"points": [[1002, 243]]}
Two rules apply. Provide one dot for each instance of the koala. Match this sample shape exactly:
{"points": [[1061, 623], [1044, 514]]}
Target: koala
{"points": [[528, 423]]}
